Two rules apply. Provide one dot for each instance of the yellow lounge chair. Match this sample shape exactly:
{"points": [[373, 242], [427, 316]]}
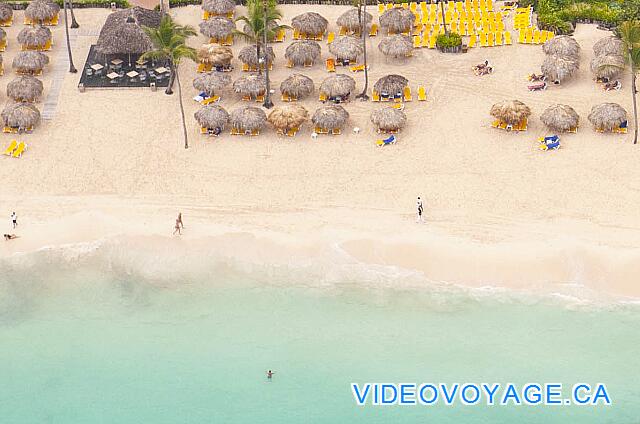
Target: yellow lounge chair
{"points": [[285, 97], [331, 37], [289, 64], [472, 40], [498, 37], [374, 30], [296, 34], [502, 125], [260, 98], [227, 41], [381, 8], [322, 97], [422, 94], [483, 39], [209, 100], [3, 45], [375, 96], [496, 123], [573, 130], [536, 37], [205, 15], [204, 130], [255, 133], [204, 67], [432, 41], [336, 131], [528, 37], [417, 41], [342, 32], [280, 36], [7, 23], [356, 68], [11, 148], [245, 67], [291, 132], [19, 150], [521, 36], [331, 65], [234, 131], [246, 98], [406, 94], [507, 38], [490, 40]]}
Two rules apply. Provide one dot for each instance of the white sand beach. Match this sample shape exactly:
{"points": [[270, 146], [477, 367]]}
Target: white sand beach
{"points": [[498, 210]]}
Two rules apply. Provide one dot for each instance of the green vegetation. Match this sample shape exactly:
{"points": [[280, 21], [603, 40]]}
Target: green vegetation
{"points": [[22, 4], [448, 41], [561, 16], [629, 33]]}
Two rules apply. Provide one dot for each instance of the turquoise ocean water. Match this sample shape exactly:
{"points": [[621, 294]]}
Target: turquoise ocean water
{"points": [[89, 339]]}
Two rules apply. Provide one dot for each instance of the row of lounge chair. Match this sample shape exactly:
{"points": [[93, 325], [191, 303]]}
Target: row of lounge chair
{"points": [[331, 36], [15, 149], [3, 44], [208, 67], [206, 15], [621, 129], [7, 22], [47, 22], [248, 68], [490, 39], [534, 36], [501, 125], [331, 131], [405, 96], [45, 48], [297, 35], [428, 7], [523, 18], [16, 130], [226, 41]]}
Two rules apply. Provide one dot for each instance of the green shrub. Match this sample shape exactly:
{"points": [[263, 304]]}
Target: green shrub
{"points": [[447, 41]]}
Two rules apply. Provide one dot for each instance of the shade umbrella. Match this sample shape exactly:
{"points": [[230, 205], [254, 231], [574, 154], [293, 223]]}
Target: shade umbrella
{"points": [[351, 19], [25, 88], [248, 118], [391, 85], [338, 85], [396, 46], [607, 116], [511, 112], [397, 19], [218, 7], [608, 45], [288, 116], [123, 38], [144, 17], [330, 117], [215, 54], [346, 48], [563, 45], [6, 12], [388, 119], [212, 116], [560, 117], [303, 52], [558, 68], [310, 23], [41, 10], [217, 27], [211, 82], [297, 86], [20, 115], [250, 85], [30, 62], [34, 36], [249, 55], [607, 65]]}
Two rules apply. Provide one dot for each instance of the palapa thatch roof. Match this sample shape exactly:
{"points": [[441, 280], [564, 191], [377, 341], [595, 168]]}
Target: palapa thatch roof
{"points": [[211, 82], [123, 37], [212, 116], [388, 119], [217, 27], [558, 68], [144, 17], [608, 45], [338, 85], [250, 85], [330, 117], [30, 61], [248, 118], [351, 19], [34, 36], [288, 116], [215, 54], [40, 10], [6, 11], [249, 55], [560, 117], [302, 52], [562, 45], [25, 88], [346, 47], [607, 116], [510, 111], [20, 115], [391, 84], [397, 19], [219, 7], [607, 65], [310, 23], [297, 85], [396, 46]]}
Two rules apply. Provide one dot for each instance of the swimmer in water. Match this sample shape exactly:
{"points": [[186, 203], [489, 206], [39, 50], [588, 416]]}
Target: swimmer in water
{"points": [[270, 374]]}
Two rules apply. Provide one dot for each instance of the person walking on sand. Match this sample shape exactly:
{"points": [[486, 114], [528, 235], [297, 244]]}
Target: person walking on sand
{"points": [[419, 210], [176, 229], [14, 219], [180, 220]]}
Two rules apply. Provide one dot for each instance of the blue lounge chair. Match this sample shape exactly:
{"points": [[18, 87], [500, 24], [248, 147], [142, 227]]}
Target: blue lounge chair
{"points": [[551, 142], [386, 141]]}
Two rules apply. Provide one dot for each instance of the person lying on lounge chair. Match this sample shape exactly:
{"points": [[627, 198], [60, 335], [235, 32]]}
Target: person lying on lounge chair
{"points": [[602, 80], [484, 71], [481, 66], [533, 77], [10, 236], [612, 85]]}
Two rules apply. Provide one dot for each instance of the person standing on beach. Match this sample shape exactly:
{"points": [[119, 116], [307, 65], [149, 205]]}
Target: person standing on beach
{"points": [[176, 229], [419, 210], [180, 220], [14, 219]]}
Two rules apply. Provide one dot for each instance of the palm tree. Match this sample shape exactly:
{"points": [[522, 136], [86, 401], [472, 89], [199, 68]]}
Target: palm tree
{"points": [[629, 33], [169, 42], [66, 3]]}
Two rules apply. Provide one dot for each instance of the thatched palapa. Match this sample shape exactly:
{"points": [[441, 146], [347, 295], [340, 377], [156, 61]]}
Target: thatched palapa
{"points": [[212, 116], [41, 10], [607, 66], [20, 115], [511, 112], [249, 55], [248, 118], [303, 52], [391, 85], [143, 17], [608, 45], [397, 20], [346, 48], [25, 88], [6, 12], [388, 119], [215, 54], [126, 37], [297, 86], [338, 85], [211, 82], [330, 117], [351, 20], [562, 45], [218, 7], [34, 36], [396, 46], [560, 118], [607, 116], [250, 85], [310, 23], [30, 61], [217, 27], [288, 116], [558, 68]]}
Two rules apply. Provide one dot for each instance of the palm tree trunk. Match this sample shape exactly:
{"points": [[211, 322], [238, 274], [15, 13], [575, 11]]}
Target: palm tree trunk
{"points": [[72, 68], [363, 28], [74, 23], [444, 22], [184, 122], [635, 106], [258, 54], [172, 77]]}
